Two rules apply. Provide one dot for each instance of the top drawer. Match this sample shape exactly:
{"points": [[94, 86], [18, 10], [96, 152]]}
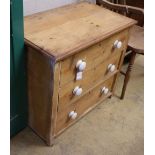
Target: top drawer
{"points": [[92, 56]]}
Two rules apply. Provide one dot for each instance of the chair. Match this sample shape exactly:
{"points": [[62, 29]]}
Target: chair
{"points": [[136, 39]]}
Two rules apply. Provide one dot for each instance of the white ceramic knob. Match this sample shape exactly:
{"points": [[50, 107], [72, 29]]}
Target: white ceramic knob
{"points": [[72, 115], [81, 65], [117, 44], [105, 90], [77, 91], [111, 67]]}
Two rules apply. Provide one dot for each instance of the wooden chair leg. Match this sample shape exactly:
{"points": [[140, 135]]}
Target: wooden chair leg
{"points": [[128, 72]]}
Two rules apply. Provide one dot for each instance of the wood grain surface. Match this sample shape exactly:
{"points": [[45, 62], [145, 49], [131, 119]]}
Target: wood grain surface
{"points": [[55, 41], [64, 31], [93, 56], [40, 90], [85, 103]]}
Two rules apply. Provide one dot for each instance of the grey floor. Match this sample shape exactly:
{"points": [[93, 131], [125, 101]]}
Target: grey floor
{"points": [[115, 127]]}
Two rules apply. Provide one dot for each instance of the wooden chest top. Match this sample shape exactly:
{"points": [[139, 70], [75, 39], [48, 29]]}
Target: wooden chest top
{"points": [[64, 31]]}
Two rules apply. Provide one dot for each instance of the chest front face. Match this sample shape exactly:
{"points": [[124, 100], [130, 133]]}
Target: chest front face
{"points": [[74, 56], [87, 78]]}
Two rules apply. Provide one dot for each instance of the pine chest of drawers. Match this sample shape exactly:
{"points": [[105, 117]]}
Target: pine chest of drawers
{"points": [[74, 54]]}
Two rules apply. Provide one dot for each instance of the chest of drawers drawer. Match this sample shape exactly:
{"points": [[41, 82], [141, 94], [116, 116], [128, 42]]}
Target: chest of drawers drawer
{"points": [[74, 55]]}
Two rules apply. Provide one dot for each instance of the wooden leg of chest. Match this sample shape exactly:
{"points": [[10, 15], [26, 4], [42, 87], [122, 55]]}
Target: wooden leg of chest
{"points": [[50, 141]]}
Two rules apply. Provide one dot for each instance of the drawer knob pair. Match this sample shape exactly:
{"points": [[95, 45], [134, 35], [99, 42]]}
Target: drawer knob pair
{"points": [[72, 115], [104, 90], [117, 44], [77, 91], [81, 65], [111, 67]]}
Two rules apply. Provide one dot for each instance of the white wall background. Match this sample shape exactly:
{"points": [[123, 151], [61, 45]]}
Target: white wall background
{"points": [[34, 6]]}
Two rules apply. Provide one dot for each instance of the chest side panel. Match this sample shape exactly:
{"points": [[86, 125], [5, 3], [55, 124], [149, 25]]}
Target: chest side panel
{"points": [[40, 89]]}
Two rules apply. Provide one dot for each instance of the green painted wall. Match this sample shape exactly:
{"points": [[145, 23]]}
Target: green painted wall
{"points": [[18, 99]]}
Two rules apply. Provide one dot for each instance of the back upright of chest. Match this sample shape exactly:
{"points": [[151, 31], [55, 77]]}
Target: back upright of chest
{"points": [[74, 55]]}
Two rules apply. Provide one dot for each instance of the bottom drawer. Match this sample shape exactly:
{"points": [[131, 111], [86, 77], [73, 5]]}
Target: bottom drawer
{"points": [[71, 113]]}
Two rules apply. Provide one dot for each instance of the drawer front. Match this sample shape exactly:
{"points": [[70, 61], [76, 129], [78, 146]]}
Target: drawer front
{"points": [[83, 104], [101, 71], [98, 53]]}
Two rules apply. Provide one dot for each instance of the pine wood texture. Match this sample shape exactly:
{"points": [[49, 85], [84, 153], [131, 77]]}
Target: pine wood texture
{"points": [[94, 55], [55, 42], [83, 104], [64, 31], [40, 90]]}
